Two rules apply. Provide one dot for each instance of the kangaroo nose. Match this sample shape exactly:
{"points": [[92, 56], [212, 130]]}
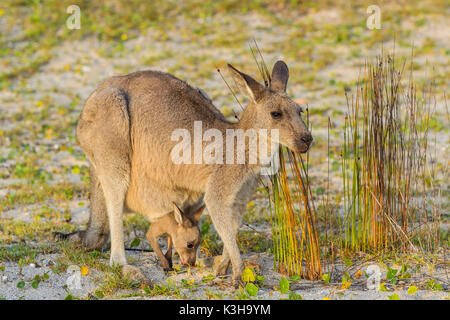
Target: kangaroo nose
{"points": [[307, 139]]}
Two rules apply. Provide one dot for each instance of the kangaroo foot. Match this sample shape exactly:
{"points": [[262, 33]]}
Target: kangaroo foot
{"points": [[169, 261], [166, 264], [221, 266]]}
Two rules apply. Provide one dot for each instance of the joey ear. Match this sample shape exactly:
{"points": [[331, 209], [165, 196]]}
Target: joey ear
{"points": [[178, 214], [280, 76], [248, 86], [197, 214]]}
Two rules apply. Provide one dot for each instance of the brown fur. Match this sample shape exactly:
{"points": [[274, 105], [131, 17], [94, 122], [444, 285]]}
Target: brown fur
{"points": [[182, 233], [125, 131]]}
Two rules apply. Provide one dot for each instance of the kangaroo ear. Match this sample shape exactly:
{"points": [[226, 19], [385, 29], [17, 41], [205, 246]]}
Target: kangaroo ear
{"points": [[178, 214], [280, 76], [197, 214], [246, 84]]}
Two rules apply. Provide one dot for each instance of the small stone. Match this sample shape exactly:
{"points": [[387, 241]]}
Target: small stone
{"points": [[32, 265], [4, 279]]}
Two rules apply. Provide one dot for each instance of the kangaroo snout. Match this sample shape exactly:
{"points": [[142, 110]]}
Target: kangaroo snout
{"points": [[188, 261], [307, 139], [304, 142]]}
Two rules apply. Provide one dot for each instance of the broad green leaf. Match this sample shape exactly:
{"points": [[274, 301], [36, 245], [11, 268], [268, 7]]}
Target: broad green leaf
{"points": [[34, 284], [284, 285], [391, 273], [251, 289], [394, 297], [294, 296], [248, 275], [135, 242], [326, 278], [382, 287], [412, 290], [21, 284], [434, 286]]}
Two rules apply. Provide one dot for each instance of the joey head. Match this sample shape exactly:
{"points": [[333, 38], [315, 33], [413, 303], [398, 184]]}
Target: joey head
{"points": [[182, 233]]}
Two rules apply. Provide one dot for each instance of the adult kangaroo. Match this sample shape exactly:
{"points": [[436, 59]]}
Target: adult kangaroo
{"points": [[125, 130]]}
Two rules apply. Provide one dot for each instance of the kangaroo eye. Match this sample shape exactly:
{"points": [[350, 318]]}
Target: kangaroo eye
{"points": [[276, 115], [190, 245]]}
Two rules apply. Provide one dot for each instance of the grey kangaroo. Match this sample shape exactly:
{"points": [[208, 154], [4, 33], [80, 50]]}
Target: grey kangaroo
{"points": [[125, 131], [182, 233]]}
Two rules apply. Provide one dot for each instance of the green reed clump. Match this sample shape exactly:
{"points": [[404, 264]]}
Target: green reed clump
{"points": [[383, 159], [295, 238]]}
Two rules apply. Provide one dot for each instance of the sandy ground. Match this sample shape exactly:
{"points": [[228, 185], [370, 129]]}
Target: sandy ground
{"points": [[58, 285]]}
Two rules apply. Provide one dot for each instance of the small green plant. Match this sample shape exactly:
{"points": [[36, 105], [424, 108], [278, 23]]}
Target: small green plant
{"points": [[394, 297], [284, 285], [412, 290], [433, 285], [394, 275], [34, 282], [250, 289]]}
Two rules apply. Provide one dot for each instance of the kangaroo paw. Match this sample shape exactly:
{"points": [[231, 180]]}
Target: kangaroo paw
{"points": [[166, 264], [169, 259], [221, 266]]}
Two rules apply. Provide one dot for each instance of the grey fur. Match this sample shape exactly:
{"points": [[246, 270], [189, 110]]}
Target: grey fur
{"points": [[125, 131]]}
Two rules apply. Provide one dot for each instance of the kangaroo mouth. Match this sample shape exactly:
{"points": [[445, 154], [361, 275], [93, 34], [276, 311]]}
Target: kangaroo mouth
{"points": [[299, 147], [304, 148]]}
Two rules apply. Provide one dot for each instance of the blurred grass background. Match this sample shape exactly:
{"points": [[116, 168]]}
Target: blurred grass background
{"points": [[31, 28]]}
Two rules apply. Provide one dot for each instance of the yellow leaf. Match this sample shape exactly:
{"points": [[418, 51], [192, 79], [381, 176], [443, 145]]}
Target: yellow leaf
{"points": [[412, 290], [326, 298], [67, 67], [382, 287], [191, 281], [123, 37], [346, 285], [84, 271], [357, 274], [248, 275], [1, 12]]}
